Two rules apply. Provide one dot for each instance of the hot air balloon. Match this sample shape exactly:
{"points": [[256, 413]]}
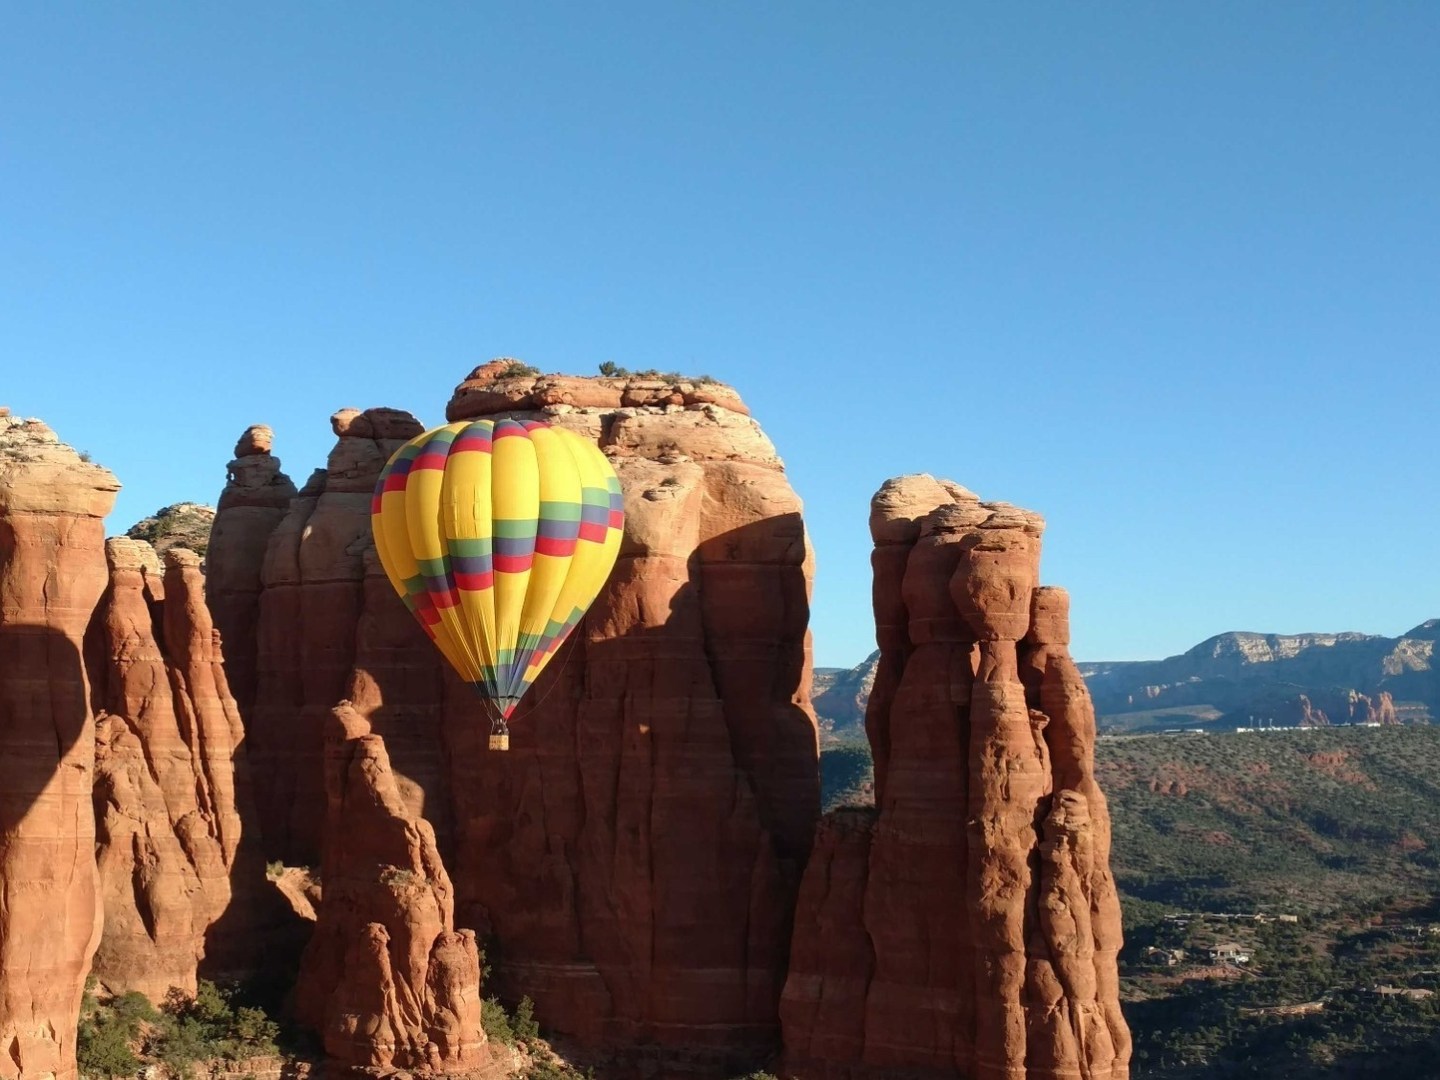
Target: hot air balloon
{"points": [[498, 535]]}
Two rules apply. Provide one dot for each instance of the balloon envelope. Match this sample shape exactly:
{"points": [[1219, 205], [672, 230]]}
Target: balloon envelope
{"points": [[498, 535]]}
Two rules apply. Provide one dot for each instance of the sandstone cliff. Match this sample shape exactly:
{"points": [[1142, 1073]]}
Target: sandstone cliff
{"points": [[387, 979], [312, 595], [968, 926], [634, 857], [177, 885], [637, 852], [256, 497], [52, 573]]}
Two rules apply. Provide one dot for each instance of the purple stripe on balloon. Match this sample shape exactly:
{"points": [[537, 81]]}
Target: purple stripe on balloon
{"points": [[470, 564], [514, 545], [559, 530]]}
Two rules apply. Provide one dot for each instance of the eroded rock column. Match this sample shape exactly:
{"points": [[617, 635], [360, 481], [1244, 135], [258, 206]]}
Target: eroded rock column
{"points": [[184, 893], [387, 979], [310, 606], [256, 498], [52, 574], [977, 920]]}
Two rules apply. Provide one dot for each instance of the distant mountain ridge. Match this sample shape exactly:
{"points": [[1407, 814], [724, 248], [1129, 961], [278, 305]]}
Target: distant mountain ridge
{"points": [[1237, 678], [839, 696], [1284, 679]]}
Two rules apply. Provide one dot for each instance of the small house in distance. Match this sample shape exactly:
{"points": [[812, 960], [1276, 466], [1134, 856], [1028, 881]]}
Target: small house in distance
{"points": [[1228, 952], [1168, 957]]}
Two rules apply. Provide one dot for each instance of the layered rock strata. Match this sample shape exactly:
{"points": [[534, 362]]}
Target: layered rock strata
{"points": [[52, 574], [387, 978], [634, 858], [974, 920], [168, 785], [636, 854]]}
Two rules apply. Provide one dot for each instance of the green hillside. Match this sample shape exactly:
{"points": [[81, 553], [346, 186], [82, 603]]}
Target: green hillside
{"points": [[1338, 828], [1306, 821], [847, 775]]}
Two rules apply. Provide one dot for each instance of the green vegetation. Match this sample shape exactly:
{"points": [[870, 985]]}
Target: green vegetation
{"points": [[611, 370], [184, 525], [1304, 821], [396, 875], [496, 1022], [552, 1068], [1338, 828], [504, 1028], [847, 775], [517, 369], [521, 1029], [120, 1036], [523, 1022]]}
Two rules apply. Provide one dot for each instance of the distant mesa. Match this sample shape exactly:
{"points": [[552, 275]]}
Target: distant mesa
{"points": [[1243, 679], [1237, 679]]}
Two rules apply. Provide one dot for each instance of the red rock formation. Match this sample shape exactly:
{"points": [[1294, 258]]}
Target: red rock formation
{"points": [[1079, 901], [311, 602], [975, 918], [386, 977], [256, 496], [489, 389], [636, 853], [1336, 706], [167, 801], [832, 962], [52, 573], [635, 856], [1382, 709]]}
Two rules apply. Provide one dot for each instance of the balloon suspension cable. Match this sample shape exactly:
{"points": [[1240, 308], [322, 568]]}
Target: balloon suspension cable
{"points": [[568, 648], [499, 726]]}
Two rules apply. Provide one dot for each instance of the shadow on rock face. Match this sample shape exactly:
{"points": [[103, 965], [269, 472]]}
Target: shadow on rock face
{"points": [[633, 859], [49, 923]]}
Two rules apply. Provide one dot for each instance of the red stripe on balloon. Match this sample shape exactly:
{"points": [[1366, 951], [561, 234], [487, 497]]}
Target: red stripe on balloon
{"points": [[553, 545]]}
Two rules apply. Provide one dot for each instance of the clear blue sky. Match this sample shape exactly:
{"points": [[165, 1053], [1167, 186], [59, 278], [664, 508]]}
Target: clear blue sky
{"points": [[1168, 273]]}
